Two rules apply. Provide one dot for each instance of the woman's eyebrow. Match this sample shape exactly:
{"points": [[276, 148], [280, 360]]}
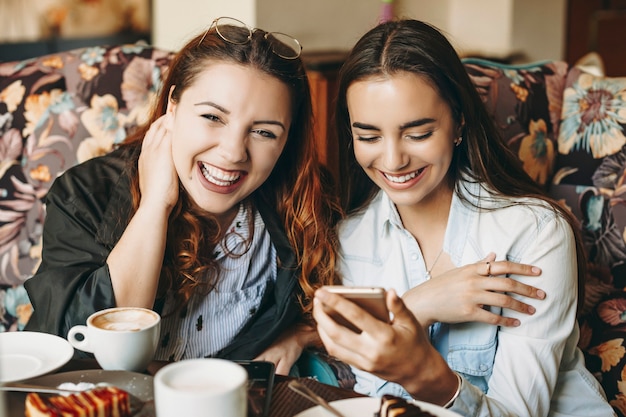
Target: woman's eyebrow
{"points": [[412, 123], [417, 123], [364, 126], [210, 103], [269, 122]]}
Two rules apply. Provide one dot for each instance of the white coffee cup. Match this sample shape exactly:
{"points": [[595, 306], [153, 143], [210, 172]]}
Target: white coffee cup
{"points": [[121, 338], [200, 388]]}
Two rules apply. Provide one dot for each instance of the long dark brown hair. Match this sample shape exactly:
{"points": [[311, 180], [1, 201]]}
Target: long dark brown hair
{"points": [[297, 189], [416, 47]]}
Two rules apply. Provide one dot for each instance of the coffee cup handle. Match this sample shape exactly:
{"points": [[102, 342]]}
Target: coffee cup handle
{"points": [[79, 344]]}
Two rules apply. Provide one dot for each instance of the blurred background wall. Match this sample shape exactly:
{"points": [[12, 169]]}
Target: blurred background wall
{"points": [[513, 31], [527, 29]]}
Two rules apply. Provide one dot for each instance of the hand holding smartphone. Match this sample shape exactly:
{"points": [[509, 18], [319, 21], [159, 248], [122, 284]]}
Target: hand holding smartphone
{"points": [[370, 299]]}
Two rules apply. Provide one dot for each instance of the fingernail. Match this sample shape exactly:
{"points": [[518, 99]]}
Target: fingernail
{"points": [[531, 310], [516, 323], [541, 294], [536, 270]]}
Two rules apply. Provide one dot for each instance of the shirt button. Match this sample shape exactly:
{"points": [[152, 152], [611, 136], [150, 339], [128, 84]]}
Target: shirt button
{"points": [[482, 367], [415, 257]]}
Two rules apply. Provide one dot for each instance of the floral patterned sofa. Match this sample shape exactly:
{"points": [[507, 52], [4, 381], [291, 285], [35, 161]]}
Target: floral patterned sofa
{"points": [[566, 125], [56, 111]]}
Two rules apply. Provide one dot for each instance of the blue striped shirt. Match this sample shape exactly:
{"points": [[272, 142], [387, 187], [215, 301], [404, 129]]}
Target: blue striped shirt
{"points": [[212, 321]]}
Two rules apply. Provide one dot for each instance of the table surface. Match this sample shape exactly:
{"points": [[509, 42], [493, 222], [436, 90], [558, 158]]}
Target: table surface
{"points": [[285, 402]]}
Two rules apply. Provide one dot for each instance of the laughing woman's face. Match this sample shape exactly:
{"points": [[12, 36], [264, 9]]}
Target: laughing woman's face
{"points": [[229, 129], [403, 136]]}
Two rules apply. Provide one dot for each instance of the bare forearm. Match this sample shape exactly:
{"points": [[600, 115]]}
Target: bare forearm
{"points": [[135, 262]]}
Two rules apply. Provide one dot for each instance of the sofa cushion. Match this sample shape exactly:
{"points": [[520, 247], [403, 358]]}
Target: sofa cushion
{"points": [[525, 102], [592, 127], [591, 168], [26, 90], [56, 111]]}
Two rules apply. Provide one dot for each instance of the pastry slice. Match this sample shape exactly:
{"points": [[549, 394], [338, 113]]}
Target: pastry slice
{"points": [[97, 402], [392, 406]]}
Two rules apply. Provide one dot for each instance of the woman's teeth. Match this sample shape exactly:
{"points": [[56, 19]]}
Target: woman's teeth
{"points": [[403, 178], [219, 177]]}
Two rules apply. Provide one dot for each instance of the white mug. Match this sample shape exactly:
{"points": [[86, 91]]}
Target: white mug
{"points": [[200, 388], [121, 338]]}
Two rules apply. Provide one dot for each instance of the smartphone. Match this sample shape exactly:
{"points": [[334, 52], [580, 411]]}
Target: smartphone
{"points": [[260, 384], [370, 299]]}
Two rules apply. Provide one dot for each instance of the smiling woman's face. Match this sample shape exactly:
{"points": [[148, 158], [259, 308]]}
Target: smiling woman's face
{"points": [[403, 136], [229, 129]]}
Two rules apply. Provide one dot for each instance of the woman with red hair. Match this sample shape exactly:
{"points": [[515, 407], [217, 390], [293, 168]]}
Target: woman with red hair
{"points": [[216, 214]]}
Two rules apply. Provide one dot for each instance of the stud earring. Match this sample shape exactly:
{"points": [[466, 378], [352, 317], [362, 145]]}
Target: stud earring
{"points": [[458, 141]]}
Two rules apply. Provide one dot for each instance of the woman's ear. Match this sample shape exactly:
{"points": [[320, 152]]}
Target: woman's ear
{"points": [[171, 109]]}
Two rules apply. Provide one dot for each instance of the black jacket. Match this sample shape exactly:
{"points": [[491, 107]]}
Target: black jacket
{"points": [[87, 210]]}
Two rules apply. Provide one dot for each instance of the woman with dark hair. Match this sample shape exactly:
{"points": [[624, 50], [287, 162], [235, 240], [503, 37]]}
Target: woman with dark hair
{"points": [[430, 186], [216, 213]]}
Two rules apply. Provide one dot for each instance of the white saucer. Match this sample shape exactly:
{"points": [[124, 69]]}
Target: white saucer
{"points": [[367, 406], [29, 354]]}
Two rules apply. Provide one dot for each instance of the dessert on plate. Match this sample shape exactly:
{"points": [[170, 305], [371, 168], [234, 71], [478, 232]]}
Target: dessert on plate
{"points": [[98, 402], [392, 406]]}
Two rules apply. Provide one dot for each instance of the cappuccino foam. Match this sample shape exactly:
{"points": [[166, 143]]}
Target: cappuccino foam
{"points": [[124, 320]]}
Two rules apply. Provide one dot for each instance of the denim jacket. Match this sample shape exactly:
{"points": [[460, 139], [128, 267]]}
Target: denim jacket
{"points": [[533, 370]]}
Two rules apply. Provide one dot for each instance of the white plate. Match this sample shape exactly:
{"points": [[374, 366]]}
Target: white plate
{"points": [[30, 354], [137, 384], [367, 406], [140, 385]]}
